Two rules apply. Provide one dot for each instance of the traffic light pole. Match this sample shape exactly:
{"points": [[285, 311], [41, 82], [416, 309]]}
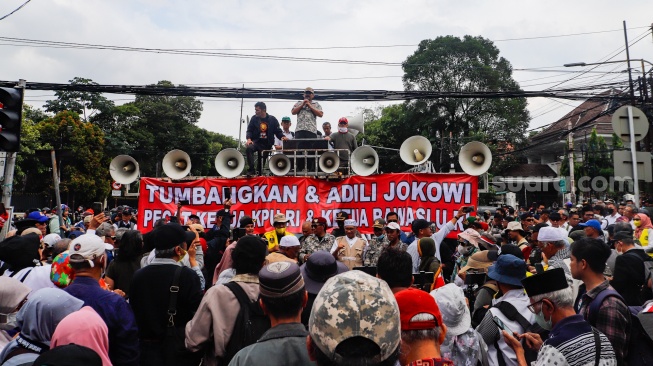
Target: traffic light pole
{"points": [[10, 164]]}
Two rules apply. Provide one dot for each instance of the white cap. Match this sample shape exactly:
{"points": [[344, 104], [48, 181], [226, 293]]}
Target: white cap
{"points": [[350, 222], [393, 226], [552, 234], [51, 239], [86, 247], [289, 241]]}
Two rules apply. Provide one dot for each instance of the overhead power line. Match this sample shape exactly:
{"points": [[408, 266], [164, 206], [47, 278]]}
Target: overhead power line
{"points": [[15, 10], [580, 93]]}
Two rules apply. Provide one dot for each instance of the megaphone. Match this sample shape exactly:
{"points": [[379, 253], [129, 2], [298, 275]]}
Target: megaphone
{"points": [[229, 163], [176, 164], [475, 158], [356, 124], [364, 161], [415, 150], [279, 164], [124, 169], [329, 162]]}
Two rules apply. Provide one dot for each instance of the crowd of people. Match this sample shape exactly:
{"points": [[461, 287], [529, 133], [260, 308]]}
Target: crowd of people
{"points": [[516, 287]]}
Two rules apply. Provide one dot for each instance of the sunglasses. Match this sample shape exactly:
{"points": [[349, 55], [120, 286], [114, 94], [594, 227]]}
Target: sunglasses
{"points": [[342, 123], [530, 219], [637, 219], [308, 93]]}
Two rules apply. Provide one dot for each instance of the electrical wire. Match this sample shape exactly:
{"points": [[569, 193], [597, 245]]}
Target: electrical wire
{"points": [[15, 10]]}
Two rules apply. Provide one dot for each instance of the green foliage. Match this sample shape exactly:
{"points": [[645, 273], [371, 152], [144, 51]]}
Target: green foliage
{"points": [[87, 104], [451, 64], [471, 64], [598, 160], [84, 173], [28, 167]]}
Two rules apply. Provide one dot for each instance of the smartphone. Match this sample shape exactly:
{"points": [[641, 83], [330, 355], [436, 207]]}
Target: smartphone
{"points": [[468, 209], [539, 268], [184, 202], [501, 325], [226, 193], [97, 208]]}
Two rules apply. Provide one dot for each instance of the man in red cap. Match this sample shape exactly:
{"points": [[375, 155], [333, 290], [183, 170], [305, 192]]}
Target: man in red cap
{"points": [[343, 140], [422, 329]]}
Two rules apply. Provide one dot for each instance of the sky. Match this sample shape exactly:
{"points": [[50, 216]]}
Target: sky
{"points": [[537, 38]]}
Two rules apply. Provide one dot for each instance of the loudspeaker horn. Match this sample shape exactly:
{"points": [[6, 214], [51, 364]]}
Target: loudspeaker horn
{"points": [[329, 162], [229, 163], [124, 169], [475, 158], [364, 161], [415, 150], [356, 124], [176, 164], [279, 164]]}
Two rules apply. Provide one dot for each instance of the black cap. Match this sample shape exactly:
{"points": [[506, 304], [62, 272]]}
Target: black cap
{"points": [[280, 279], [193, 216], [20, 251], [250, 248], [168, 236], [342, 216], [419, 224], [545, 282], [246, 220], [525, 215], [536, 228], [506, 249], [555, 216]]}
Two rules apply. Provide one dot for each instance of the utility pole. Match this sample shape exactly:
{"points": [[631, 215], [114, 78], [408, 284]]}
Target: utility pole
{"points": [[240, 129], [630, 75], [55, 179], [572, 181]]}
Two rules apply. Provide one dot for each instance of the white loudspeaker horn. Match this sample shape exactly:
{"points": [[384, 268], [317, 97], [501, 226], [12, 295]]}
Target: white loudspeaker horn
{"points": [[176, 164], [279, 164], [475, 158], [329, 162], [124, 169], [415, 150], [229, 163], [364, 161], [356, 124]]}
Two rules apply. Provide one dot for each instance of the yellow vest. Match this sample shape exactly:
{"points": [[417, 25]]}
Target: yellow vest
{"points": [[273, 240]]}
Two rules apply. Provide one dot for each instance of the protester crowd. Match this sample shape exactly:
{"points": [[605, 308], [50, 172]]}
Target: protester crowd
{"points": [[542, 286]]}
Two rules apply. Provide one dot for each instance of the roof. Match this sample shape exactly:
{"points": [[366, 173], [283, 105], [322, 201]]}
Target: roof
{"points": [[529, 170], [588, 115]]}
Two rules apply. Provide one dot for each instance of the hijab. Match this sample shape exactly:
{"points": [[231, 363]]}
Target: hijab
{"points": [[69, 355], [426, 250], [645, 224], [85, 328], [39, 317]]}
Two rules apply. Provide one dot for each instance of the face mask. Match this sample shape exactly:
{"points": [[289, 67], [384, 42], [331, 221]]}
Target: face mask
{"points": [[342, 129], [464, 251], [546, 325], [280, 231], [619, 252], [380, 237], [637, 223], [610, 211]]}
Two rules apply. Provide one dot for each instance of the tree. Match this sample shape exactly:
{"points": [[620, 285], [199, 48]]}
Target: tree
{"points": [[87, 104], [84, 169], [471, 64], [29, 171]]}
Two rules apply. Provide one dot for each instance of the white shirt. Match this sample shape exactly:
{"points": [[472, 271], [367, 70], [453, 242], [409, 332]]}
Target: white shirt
{"points": [[437, 238], [611, 219], [289, 136], [520, 301]]}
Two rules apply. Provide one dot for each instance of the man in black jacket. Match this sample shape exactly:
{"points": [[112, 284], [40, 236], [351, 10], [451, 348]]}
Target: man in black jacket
{"points": [[261, 131], [629, 272]]}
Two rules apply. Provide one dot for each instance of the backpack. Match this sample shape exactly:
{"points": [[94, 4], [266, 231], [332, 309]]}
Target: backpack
{"points": [[479, 314], [646, 293], [640, 346], [251, 323], [509, 311]]}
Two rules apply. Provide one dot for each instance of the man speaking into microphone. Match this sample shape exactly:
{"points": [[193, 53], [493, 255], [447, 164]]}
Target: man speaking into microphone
{"points": [[307, 111]]}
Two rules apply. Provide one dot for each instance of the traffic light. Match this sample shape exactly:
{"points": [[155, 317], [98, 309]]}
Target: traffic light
{"points": [[11, 110]]}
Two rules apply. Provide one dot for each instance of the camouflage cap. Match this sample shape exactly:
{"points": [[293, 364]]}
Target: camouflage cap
{"points": [[355, 304]]}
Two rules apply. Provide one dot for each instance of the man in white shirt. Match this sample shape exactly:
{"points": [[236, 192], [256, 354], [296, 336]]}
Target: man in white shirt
{"points": [[611, 216], [285, 128], [350, 249]]}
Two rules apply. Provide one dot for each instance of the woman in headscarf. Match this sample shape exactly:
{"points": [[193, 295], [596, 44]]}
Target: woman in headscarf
{"points": [[85, 328], [643, 228], [428, 261], [37, 320]]}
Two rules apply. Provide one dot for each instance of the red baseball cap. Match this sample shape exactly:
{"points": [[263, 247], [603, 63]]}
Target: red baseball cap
{"points": [[412, 302]]}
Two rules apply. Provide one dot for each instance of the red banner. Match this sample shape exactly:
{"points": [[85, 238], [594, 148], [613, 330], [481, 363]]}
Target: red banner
{"points": [[434, 197]]}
